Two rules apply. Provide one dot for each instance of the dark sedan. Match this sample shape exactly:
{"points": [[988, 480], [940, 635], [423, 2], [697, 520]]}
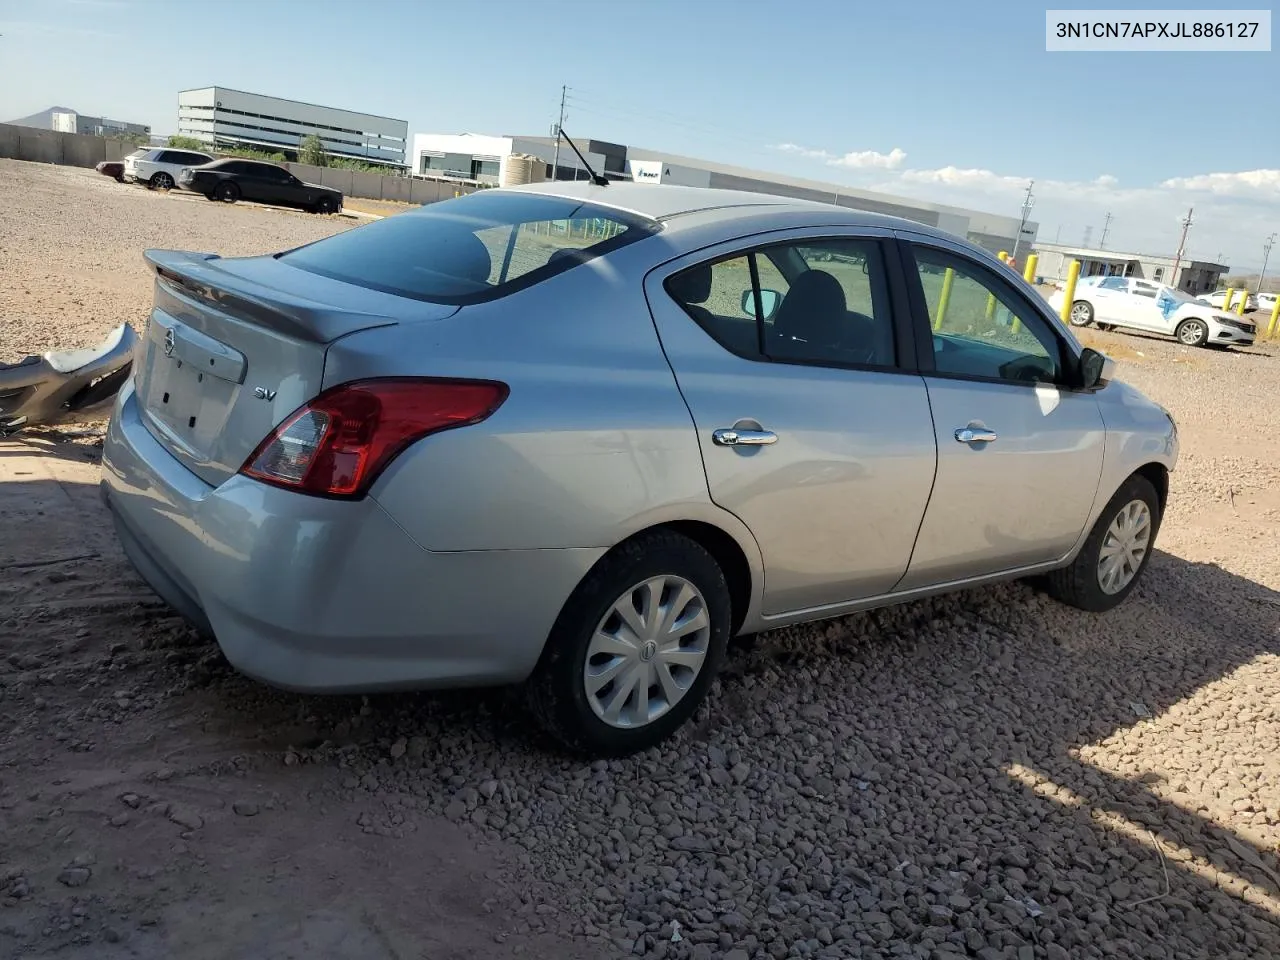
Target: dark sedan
{"points": [[113, 169], [230, 180]]}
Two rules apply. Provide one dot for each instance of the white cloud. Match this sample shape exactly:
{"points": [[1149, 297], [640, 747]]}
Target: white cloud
{"points": [[1264, 183], [1233, 211], [871, 160], [855, 159], [799, 151]]}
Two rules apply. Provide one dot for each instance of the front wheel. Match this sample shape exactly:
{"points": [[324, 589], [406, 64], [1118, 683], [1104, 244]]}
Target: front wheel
{"points": [[161, 181], [635, 648], [227, 192], [1115, 554], [325, 205], [1081, 314], [1193, 333]]}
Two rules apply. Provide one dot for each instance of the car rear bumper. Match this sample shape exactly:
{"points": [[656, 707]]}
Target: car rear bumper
{"points": [[321, 595]]}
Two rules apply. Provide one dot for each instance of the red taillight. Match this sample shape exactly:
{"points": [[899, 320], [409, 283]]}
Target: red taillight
{"points": [[338, 444]]}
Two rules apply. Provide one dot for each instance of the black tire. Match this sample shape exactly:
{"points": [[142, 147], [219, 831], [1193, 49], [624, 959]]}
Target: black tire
{"points": [[226, 192], [1106, 326], [160, 181], [1081, 314], [324, 205], [1192, 332], [556, 692], [1079, 584]]}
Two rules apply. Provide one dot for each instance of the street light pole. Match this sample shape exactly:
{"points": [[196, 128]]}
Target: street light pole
{"points": [[1266, 255], [1028, 202], [1182, 245], [555, 164]]}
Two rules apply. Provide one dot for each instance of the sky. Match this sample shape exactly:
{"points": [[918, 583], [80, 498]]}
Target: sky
{"points": [[952, 102]]}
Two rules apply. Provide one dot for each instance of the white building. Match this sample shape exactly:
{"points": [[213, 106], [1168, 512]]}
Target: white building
{"points": [[69, 121], [483, 159], [1193, 276], [220, 116], [479, 158]]}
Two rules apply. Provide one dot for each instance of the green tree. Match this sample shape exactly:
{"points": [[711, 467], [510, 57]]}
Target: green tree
{"points": [[311, 151], [179, 142]]}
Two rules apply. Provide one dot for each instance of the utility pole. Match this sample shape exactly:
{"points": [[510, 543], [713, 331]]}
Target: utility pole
{"points": [[1182, 245], [1088, 232], [1028, 202], [1106, 228], [555, 164], [1266, 255]]}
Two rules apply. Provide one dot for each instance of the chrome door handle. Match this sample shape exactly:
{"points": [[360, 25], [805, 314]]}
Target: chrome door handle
{"points": [[743, 438], [976, 435]]}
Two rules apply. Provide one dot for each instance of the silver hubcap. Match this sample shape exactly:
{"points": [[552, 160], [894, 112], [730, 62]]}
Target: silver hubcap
{"points": [[1191, 333], [647, 652], [1124, 546], [1079, 314]]}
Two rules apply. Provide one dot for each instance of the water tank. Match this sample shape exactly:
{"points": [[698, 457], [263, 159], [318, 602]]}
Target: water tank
{"points": [[518, 168]]}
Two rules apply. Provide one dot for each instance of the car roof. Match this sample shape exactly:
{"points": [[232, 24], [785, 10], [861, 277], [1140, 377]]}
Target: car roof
{"points": [[667, 202]]}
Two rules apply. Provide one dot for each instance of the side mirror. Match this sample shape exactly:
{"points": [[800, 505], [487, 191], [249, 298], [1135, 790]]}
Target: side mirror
{"points": [[769, 300], [1096, 369]]}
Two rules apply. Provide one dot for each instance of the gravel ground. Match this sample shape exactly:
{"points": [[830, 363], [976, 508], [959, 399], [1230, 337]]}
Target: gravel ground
{"points": [[988, 774]]}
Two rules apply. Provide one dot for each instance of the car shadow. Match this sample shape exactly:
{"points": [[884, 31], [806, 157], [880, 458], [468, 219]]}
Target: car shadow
{"points": [[1009, 708]]}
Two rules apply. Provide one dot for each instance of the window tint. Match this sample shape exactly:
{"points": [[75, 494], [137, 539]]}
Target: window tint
{"points": [[1114, 283], [1144, 289], [822, 301], [836, 308], [472, 248], [719, 296], [980, 328]]}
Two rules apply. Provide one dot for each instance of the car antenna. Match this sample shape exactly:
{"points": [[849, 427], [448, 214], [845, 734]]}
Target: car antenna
{"points": [[598, 180]]}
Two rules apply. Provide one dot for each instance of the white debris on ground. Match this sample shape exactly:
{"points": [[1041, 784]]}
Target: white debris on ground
{"points": [[985, 775]]}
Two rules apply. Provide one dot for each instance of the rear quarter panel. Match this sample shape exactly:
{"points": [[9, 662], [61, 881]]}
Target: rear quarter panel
{"points": [[594, 442]]}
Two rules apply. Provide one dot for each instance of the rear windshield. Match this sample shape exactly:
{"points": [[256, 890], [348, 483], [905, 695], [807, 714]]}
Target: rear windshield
{"points": [[472, 248]]}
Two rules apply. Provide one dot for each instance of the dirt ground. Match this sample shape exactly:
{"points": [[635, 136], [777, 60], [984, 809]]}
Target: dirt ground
{"points": [[987, 774]]}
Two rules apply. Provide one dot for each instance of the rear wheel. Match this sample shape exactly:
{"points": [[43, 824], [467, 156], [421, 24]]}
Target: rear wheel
{"points": [[1192, 332], [1081, 314], [1115, 554], [160, 181], [226, 192], [635, 648]]}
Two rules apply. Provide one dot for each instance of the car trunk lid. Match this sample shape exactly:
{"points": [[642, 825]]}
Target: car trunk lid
{"points": [[232, 347]]}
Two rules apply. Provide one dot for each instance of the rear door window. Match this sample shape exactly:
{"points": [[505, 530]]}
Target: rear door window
{"points": [[474, 248]]}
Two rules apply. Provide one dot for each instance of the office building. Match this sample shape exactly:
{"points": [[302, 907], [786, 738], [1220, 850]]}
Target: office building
{"points": [[222, 117]]}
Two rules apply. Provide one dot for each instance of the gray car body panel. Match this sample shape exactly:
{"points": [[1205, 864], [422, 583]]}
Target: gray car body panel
{"points": [[455, 566]]}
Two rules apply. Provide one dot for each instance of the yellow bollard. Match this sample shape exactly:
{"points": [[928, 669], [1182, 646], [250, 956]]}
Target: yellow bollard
{"points": [[1069, 292], [1226, 304], [947, 279], [1244, 300], [1004, 256], [1275, 318], [1029, 274]]}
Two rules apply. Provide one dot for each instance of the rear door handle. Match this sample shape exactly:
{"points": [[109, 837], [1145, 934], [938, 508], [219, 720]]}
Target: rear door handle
{"points": [[976, 435], [743, 438]]}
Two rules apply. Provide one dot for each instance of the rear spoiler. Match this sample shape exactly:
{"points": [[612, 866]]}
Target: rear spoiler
{"points": [[199, 276]]}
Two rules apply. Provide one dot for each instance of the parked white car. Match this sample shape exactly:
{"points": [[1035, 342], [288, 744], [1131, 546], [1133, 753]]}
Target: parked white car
{"points": [[1267, 302], [1219, 299], [158, 167], [1156, 308]]}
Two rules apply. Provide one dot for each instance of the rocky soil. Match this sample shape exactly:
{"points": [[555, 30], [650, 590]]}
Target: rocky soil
{"points": [[986, 775]]}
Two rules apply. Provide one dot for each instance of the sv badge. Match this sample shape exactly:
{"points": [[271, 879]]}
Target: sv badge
{"points": [[263, 393]]}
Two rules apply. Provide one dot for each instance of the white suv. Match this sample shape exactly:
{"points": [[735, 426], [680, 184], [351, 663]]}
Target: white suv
{"points": [[158, 167]]}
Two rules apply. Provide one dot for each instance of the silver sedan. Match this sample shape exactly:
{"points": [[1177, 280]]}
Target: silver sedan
{"points": [[577, 437]]}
